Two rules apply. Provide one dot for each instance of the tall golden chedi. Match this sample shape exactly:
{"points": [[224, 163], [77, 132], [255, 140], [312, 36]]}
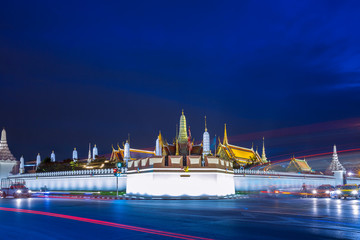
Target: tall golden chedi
{"points": [[183, 137]]}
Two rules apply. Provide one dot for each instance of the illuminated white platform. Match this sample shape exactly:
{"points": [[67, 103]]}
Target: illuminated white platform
{"points": [[152, 177]]}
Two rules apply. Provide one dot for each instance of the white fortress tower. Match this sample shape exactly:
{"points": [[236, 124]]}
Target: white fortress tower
{"points": [[52, 156], [7, 160], [75, 155], [206, 141]]}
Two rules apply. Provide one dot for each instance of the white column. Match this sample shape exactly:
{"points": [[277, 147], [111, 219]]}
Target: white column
{"points": [[127, 152], [22, 165], [52, 156], [95, 152], [157, 148], [75, 155], [38, 160], [206, 143]]}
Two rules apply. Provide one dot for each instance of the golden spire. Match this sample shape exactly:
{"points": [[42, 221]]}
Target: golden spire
{"points": [[263, 155], [205, 125], [177, 147], [225, 137]]}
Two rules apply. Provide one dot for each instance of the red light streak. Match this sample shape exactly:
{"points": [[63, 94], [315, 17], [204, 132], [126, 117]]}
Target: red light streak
{"points": [[318, 154], [110, 224]]}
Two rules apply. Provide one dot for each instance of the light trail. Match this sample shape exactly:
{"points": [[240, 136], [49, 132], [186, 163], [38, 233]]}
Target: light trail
{"points": [[306, 156], [104, 223]]}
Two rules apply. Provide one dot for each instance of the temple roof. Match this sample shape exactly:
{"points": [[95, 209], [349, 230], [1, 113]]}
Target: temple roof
{"points": [[299, 165]]}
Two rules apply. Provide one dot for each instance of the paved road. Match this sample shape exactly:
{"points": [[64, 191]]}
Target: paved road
{"points": [[251, 218]]}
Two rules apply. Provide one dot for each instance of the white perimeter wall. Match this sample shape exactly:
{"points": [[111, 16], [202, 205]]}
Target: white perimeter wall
{"points": [[172, 184], [76, 183], [162, 184], [262, 182]]}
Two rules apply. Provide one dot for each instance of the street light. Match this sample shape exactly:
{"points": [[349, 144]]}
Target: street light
{"points": [[117, 174]]}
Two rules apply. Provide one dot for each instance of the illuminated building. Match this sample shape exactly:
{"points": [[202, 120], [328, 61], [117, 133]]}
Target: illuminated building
{"points": [[241, 155], [182, 170]]}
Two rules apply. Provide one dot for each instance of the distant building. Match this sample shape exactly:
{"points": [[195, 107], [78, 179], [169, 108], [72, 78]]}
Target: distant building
{"points": [[299, 165]]}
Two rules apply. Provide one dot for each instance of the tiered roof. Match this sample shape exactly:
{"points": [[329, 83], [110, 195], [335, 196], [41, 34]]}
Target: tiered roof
{"points": [[241, 155]]}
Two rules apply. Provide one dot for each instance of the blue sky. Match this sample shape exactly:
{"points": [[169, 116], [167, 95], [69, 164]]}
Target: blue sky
{"points": [[74, 72]]}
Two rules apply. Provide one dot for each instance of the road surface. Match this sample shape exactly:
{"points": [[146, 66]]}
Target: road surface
{"points": [[248, 218]]}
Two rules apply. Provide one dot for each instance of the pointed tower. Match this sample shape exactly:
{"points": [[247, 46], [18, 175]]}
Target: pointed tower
{"points": [[52, 156], [335, 164], [89, 154], [5, 154], [127, 152], [7, 160], [95, 152], [75, 155], [263, 155], [225, 142], [206, 141], [38, 160], [183, 137], [22, 165]]}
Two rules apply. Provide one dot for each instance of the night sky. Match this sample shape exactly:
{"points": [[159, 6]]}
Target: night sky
{"points": [[78, 72]]}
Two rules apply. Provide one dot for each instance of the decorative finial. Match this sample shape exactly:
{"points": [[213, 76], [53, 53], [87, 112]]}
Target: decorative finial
{"points": [[182, 111]]}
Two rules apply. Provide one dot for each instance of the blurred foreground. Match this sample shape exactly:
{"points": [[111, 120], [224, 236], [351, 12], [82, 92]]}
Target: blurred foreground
{"points": [[256, 216]]}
